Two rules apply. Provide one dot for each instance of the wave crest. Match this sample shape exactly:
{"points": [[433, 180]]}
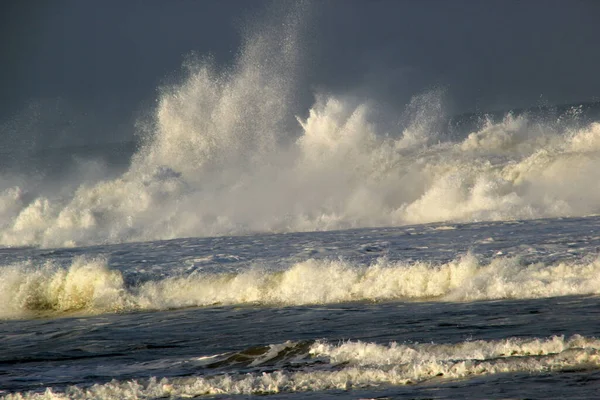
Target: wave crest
{"points": [[89, 286], [86, 286]]}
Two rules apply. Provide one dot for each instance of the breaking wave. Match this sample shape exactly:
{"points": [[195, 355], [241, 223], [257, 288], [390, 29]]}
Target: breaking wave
{"points": [[90, 287], [356, 365], [223, 155]]}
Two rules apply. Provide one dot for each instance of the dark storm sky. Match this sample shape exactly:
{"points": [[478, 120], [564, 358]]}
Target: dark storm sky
{"points": [[108, 57]]}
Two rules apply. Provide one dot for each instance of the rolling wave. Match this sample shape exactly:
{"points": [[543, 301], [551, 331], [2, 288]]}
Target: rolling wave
{"points": [[359, 365], [90, 287]]}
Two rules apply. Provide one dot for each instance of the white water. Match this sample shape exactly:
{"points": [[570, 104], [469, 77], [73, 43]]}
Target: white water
{"points": [[221, 157], [90, 287], [364, 354], [380, 365]]}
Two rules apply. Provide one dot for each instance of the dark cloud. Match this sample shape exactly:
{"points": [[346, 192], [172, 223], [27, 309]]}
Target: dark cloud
{"points": [[108, 57], [490, 54], [108, 53]]}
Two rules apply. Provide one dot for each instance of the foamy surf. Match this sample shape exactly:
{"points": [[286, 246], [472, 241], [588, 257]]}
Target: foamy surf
{"points": [[342, 172], [91, 287], [86, 286], [359, 365]]}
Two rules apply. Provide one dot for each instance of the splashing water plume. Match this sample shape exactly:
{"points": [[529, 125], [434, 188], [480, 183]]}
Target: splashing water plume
{"points": [[222, 157]]}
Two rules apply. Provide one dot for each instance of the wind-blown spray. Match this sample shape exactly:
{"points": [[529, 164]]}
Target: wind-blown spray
{"points": [[222, 157]]}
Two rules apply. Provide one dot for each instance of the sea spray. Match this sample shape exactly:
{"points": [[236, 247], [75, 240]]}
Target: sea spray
{"points": [[224, 155]]}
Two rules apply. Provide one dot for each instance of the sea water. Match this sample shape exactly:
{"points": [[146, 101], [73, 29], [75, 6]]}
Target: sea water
{"points": [[245, 249], [494, 310]]}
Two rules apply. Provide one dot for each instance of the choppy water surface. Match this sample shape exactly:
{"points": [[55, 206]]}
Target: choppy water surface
{"points": [[505, 309]]}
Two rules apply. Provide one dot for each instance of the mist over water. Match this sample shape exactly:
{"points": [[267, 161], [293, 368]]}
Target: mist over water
{"points": [[226, 153]]}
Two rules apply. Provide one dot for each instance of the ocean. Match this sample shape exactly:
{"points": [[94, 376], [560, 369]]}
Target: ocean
{"points": [[481, 310], [235, 248]]}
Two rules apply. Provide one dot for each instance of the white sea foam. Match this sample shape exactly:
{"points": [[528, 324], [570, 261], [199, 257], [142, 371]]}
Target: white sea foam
{"points": [[365, 354], [381, 365], [89, 286]]}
